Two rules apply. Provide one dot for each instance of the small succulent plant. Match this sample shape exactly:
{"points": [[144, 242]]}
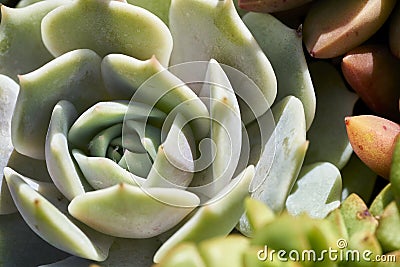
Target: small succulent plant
{"points": [[178, 132]]}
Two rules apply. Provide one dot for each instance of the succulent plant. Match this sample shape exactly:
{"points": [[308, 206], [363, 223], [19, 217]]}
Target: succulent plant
{"points": [[113, 133], [177, 132]]}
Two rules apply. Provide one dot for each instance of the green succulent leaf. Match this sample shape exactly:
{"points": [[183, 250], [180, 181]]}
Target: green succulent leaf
{"points": [[8, 97], [184, 255], [364, 241], [128, 211], [218, 217], [106, 114], [258, 214], [357, 178], [21, 46], [388, 231], [284, 48], [74, 77], [286, 147], [173, 165], [107, 27], [382, 200], [395, 171], [214, 251], [168, 93], [356, 216], [123, 74], [317, 191], [102, 172], [50, 223], [327, 135], [226, 130], [60, 165], [203, 30]]}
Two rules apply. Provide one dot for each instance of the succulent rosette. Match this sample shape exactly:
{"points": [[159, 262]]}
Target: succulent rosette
{"points": [[109, 145]]}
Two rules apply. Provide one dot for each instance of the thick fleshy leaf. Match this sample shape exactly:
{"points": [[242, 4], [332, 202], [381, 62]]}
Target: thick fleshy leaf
{"points": [[365, 241], [317, 191], [105, 114], [382, 200], [168, 93], [20, 246], [226, 130], [107, 27], [50, 224], [186, 254], [157, 7], [173, 165], [217, 218], [47, 190], [288, 146], [203, 30], [258, 214], [26, 166], [128, 211], [356, 216], [388, 231], [62, 169], [123, 74], [373, 140], [357, 178], [95, 119], [327, 135], [332, 28], [395, 171], [102, 172], [21, 46], [8, 96], [214, 251], [99, 145], [137, 163], [284, 48], [74, 76], [372, 71]]}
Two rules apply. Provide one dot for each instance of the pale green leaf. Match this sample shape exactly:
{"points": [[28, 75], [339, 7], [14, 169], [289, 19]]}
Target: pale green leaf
{"points": [[74, 76], [317, 191], [128, 211], [107, 27], [218, 217], [281, 158], [208, 29], [102, 172], [284, 48], [21, 46], [62, 169], [327, 135], [173, 165], [49, 223]]}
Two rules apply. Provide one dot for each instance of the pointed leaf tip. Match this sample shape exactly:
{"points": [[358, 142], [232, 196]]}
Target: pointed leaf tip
{"points": [[373, 140]]}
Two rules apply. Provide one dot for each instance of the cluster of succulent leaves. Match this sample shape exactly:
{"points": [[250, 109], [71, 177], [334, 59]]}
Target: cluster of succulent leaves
{"points": [[375, 229], [84, 65]]}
